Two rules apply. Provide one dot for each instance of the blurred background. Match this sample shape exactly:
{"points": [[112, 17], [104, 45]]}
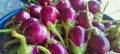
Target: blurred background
{"points": [[113, 8]]}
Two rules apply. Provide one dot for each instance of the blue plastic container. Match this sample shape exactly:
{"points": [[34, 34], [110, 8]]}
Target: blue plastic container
{"points": [[5, 19]]}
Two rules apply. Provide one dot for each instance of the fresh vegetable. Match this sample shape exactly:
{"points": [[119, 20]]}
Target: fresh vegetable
{"points": [[27, 49], [94, 6], [77, 4], [63, 5], [36, 33], [56, 47], [27, 22], [49, 17], [22, 16], [99, 25], [61, 27], [77, 39], [99, 43], [77, 35], [35, 11], [81, 18], [49, 14]]}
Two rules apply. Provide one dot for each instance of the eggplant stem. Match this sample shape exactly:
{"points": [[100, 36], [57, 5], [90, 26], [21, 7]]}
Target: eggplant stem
{"points": [[22, 39], [6, 30], [48, 39], [53, 28], [8, 23], [46, 51], [87, 13], [11, 42], [105, 7]]}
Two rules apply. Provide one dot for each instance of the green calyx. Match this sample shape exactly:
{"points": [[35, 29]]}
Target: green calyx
{"points": [[53, 29], [77, 50], [114, 31], [67, 26]]}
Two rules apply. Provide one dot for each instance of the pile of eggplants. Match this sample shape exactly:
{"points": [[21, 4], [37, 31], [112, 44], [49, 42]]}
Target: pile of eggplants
{"points": [[61, 27]]}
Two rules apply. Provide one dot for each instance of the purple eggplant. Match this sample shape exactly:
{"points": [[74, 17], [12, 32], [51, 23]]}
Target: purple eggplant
{"points": [[28, 22], [35, 11], [36, 33], [55, 47], [45, 2], [115, 46], [24, 48], [77, 35], [77, 39], [68, 18], [114, 38], [70, 14], [49, 14], [108, 25], [94, 6], [63, 5], [99, 25], [82, 19], [99, 42], [49, 17], [22, 16], [77, 4]]}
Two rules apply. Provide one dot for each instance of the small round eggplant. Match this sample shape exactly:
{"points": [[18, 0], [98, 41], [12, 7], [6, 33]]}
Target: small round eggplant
{"points": [[77, 35], [36, 33], [35, 11], [49, 14], [99, 25], [57, 48], [70, 14], [99, 43], [28, 22], [94, 6], [82, 19], [63, 5], [22, 16], [77, 4]]}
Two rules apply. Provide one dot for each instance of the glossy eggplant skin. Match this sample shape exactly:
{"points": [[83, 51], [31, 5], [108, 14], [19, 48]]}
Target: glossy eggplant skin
{"points": [[49, 14], [57, 48], [94, 6], [22, 16], [99, 43], [68, 13], [82, 20], [28, 22], [77, 35], [36, 33], [99, 25], [63, 5], [35, 11], [77, 4]]}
